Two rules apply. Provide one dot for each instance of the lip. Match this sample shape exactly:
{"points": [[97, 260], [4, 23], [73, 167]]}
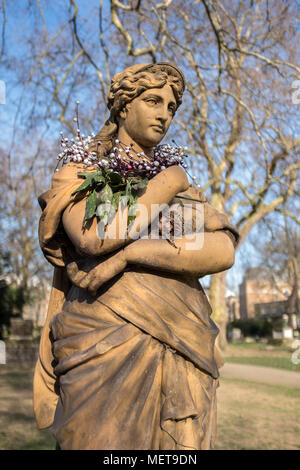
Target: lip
{"points": [[158, 128]]}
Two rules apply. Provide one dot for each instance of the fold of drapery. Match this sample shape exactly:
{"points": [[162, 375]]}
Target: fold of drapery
{"points": [[59, 251], [123, 388], [45, 390]]}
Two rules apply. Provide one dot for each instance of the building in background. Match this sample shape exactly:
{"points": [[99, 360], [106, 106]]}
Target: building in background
{"points": [[260, 295]]}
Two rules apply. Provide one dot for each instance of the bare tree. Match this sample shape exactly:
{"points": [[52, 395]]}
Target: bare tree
{"points": [[240, 62], [19, 187], [281, 257]]}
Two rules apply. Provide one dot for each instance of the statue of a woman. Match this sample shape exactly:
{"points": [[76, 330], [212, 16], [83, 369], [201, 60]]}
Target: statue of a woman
{"points": [[127, 357]]}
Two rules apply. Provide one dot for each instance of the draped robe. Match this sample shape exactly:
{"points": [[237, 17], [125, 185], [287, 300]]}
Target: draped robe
{"points": [[134, 367]]}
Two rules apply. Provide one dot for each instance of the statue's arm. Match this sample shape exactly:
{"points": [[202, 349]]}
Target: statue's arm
{"points": [[196, 254], [160, 190], [215, 255]]}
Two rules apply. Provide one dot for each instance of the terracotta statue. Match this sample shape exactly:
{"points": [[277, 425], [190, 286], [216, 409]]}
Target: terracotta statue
{"points": [[127, 355]]}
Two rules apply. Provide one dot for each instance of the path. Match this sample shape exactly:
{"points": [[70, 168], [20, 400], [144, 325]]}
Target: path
{"points": [[267, 375]]}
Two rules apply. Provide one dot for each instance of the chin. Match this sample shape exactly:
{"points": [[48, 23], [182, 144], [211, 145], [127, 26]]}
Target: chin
{"points": [[150, 140], [155, 140]]}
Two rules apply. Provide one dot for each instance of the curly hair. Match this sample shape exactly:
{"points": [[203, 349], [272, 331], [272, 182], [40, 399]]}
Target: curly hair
{"points": [[128, 85]]}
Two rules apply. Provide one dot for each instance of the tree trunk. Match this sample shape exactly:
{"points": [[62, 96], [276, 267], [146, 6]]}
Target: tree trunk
{"points": [[293, 299], [217, 296]]}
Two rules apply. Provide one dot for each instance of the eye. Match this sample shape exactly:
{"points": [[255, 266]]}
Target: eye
{"points": [[172, 109], [151, 100]]}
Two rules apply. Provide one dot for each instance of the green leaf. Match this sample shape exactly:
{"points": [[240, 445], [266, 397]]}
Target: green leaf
{"points": [[83, 187], [132, 203], [99, 178], [106, 194], [91, 206], [190, 198], [115, 178], [99, 184], [128, 189], [140, 185], [92, 180], [116, 199], [104, 211], [104, 218], [87, 184], [83, 174]]}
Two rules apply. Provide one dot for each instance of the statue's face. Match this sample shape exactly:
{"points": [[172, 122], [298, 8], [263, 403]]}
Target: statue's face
{"points": [[147, 118]]}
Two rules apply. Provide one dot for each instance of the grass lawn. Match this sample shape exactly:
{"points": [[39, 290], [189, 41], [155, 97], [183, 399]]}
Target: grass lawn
{"points": [[260, 354], [250, 415], [257, 416], [17, 425], [277, 362], [258, 349]]}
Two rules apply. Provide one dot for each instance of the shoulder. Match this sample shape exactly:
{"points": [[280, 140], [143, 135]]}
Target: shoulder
{"points": [[63, 183], [68, 174]]}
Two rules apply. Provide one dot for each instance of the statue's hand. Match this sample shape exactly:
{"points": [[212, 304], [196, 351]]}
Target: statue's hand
{"points": [[193, 193], [91, 276], [213, 219]]}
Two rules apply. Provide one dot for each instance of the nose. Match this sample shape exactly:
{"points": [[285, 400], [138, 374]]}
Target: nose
{"points": [[163, 114]]}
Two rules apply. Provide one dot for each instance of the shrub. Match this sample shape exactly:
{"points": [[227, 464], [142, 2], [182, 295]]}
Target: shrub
{"points": [[255, 327], [12, 300]]}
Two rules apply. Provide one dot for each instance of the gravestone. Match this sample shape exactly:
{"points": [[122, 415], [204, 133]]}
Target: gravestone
{"points": [[236, 335], [277, 334], [21, 329], [2, 352], [287, 333]]}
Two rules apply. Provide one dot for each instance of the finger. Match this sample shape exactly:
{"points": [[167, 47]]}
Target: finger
{"points": [[87, 279], [104, 273], [76, 276], [72, 269], [79, 278]]}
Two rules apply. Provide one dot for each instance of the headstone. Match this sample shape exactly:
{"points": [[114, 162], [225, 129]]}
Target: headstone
{"points": [[277, 334], [287, 333], [2, 352], [236, 335], [248, 339], [20, 329]]}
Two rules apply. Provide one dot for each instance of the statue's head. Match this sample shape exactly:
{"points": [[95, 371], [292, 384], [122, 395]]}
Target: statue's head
{"points": [[142, 101]]}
